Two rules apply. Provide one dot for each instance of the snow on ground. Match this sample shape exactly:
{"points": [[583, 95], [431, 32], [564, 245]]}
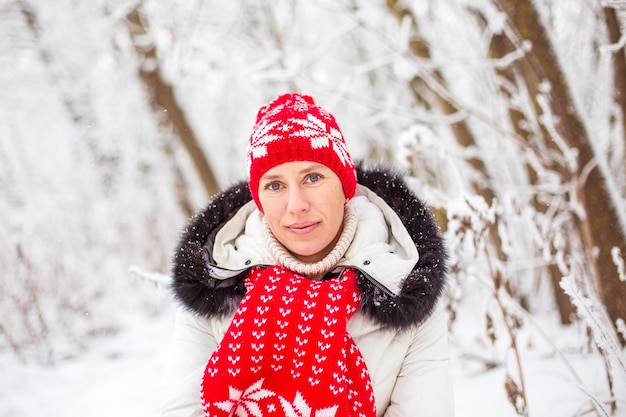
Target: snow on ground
{"points": [[120, 376]]}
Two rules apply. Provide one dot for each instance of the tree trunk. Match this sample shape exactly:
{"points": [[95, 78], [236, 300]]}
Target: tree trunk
{"points": [[500, 46], [600, 225], [166, 105], [460, 130], [619, 63]]}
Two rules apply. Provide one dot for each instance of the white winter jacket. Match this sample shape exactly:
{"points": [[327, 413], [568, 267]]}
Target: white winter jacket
{"points": [[401, 328]]}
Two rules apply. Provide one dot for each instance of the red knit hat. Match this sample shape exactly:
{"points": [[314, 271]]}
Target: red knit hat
{"points": [[293, 128], [287, 351]]}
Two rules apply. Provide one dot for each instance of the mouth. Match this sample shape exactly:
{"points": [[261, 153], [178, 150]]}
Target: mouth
{"points": [[303, 227]]}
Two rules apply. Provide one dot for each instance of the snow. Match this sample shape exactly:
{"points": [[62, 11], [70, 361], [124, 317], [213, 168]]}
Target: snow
{"points": [[117, 376]]}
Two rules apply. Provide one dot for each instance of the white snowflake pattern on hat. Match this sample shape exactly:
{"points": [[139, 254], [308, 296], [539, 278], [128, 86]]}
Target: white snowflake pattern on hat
{"points": [[263, 135], [316, 130]]}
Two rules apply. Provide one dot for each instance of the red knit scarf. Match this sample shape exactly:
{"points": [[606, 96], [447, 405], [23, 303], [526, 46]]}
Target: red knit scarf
{"points": [[287, 351]]}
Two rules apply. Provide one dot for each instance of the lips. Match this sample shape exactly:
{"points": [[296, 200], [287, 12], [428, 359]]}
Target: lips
{"points": [[303, 227]]}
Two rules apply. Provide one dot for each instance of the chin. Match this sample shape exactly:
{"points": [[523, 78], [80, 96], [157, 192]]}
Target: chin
{"points": [[304, 255]]}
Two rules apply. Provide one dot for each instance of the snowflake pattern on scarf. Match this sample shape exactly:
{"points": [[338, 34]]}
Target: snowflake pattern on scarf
{"points": [[287, 351]]}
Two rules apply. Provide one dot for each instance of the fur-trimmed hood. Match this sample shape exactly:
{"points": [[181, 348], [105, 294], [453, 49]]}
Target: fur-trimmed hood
{"points": [[205, 289]]}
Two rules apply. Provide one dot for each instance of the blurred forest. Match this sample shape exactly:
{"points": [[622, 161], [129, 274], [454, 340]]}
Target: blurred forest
{"points": [[119, 119]]}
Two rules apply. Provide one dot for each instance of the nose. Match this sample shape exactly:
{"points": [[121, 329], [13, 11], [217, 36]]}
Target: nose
{"points": [[298, 201]]}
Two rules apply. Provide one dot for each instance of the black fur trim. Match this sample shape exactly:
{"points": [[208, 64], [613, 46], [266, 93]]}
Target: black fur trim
{"points": [[426, 282], [199, 293], [192, 286]]}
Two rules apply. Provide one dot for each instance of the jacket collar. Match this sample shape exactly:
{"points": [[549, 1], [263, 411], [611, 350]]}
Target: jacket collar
{"points": [[382, 247], [396, 291]]}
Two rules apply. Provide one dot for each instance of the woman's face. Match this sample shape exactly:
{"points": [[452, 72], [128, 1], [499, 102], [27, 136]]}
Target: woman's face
{"points": [[303, 203]]}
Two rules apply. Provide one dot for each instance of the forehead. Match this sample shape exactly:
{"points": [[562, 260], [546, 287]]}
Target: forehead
{"points": [[294, 168]]}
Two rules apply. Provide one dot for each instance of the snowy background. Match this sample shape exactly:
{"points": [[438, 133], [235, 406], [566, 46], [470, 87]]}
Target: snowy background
{"points": [[94, 181]]}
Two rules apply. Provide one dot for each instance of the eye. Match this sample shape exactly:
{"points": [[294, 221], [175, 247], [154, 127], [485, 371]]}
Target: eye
{"points": [[272, 186], [313, 177]]}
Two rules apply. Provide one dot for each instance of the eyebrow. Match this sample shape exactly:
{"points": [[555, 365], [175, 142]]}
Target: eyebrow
{"points": [[304, 171]]}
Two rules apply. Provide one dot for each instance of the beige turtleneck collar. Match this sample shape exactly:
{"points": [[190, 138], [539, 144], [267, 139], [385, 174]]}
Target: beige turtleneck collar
{"points": [[317, 269]]}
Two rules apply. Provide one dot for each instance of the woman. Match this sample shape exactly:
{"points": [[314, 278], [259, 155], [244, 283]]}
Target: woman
{"points": [[305, 292]]}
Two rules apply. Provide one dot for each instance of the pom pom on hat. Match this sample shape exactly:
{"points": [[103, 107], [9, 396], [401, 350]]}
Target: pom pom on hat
{"points": [[293, 128]]}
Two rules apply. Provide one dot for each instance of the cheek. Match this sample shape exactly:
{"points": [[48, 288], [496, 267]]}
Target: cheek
{"points": [[273, 216], [334, 208], [338, 219]]}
